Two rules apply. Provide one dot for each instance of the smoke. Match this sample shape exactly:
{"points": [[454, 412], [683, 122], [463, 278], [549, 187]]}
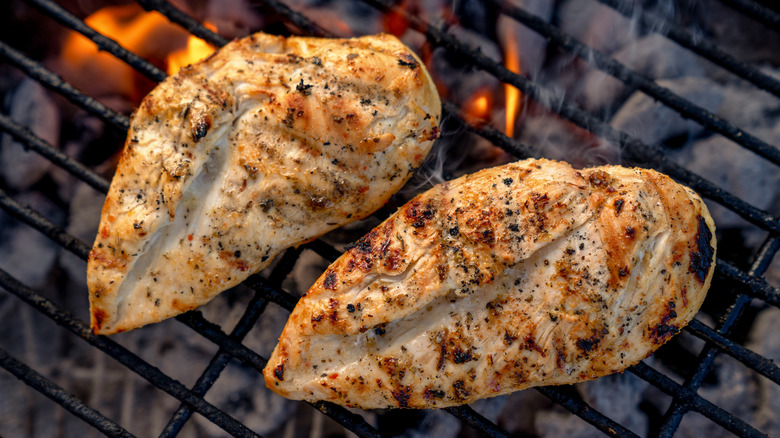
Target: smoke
{"points": [[442, 161]]}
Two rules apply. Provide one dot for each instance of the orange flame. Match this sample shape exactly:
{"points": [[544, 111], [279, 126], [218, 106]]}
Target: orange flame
{"points": [[196, 50], [149, 35], [477, 107], [512, 61], [100, 73], [128, 25]]}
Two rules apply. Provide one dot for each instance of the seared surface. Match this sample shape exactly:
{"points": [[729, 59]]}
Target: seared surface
{"points": [[522, 275], [267, 144]]}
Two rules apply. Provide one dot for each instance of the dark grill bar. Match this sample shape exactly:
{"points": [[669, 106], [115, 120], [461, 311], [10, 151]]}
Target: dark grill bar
{"points": [[675, 413], [67, 400], [692, 401], [33, 142], [685, 397], [489, 133], [756, 362], [67, 19], [56, 84], [757, 12], [183, 20], [574, 404], [218, 363], [758, 287], [477, 421]]}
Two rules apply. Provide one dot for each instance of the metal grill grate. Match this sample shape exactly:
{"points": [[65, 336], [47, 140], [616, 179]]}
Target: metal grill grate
{"points": [[751, 284]]}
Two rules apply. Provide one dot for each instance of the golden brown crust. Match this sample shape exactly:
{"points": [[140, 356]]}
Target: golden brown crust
{"points": [[522, 275], [267, 144]]}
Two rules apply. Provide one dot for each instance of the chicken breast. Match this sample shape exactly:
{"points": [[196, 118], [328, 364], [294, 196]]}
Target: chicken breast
{"points": [[267, 144], [522, 275]]}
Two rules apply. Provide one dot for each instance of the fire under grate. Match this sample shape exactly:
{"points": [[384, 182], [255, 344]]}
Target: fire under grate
{"points": [[749, 282]]}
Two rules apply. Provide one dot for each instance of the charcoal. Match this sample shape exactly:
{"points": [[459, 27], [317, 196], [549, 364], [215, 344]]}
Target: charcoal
{"points": [[30, 106]]}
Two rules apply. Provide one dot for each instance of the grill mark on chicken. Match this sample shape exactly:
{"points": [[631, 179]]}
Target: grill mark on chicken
{"points": [[662, 331], [279, 372], [268, 143], [606, 280], [702, 256]]}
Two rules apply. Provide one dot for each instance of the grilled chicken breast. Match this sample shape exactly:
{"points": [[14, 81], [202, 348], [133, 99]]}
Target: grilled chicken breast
{"points": [[267, 144], [522, 275]]}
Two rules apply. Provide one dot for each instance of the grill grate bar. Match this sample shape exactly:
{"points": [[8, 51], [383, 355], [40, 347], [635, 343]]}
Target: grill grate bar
{"points": [[476, 421], [489, 133], [324, 250], [104, 43], [56, 84], [218, 363], [674, 414], [202, 385], [651, 21], [150, 373], [753, 360], [576, 405], [636, 150], [40, 146], [195, 320], [756, 11], [216, 366], [619, 71], [757, 287], [301, 21], [214, 333], [725, 419], [353, 422], [33, 379], [39, 222], [263, 286], [177, 16]]}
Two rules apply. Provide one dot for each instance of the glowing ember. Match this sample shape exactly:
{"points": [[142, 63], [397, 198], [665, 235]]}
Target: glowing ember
{"points": [[478, 106], [481, 105], [196, 50], [512, 60]]}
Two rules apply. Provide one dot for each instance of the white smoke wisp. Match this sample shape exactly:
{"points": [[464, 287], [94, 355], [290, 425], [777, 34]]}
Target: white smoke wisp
{"points": [[440, 162]]}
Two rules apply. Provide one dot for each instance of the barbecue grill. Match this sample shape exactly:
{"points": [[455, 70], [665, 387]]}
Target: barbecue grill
{"points": [[741, 289]]}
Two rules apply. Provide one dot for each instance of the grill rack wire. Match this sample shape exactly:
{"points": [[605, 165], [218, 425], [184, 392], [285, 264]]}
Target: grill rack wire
{"points": [[685, 397]]}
